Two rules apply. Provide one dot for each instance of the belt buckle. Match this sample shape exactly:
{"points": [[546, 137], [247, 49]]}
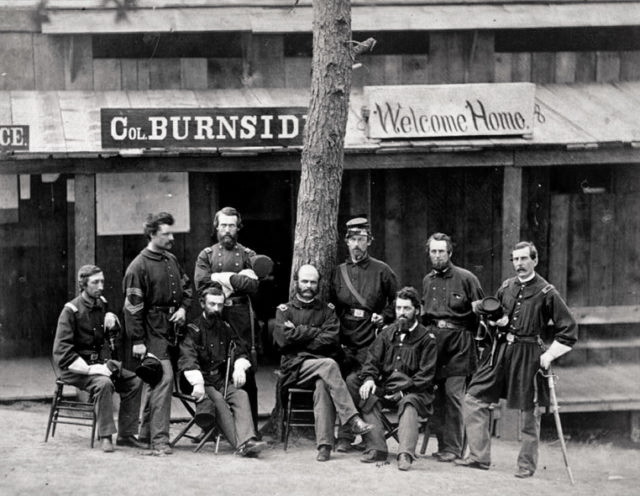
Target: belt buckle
{"points": [[510, 338], [441, 324], [94, 357], [358, 312], [228, 302]]}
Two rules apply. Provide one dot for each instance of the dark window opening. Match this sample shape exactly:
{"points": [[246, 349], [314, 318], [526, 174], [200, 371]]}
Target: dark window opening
{"points": [[568, 39], [167, 45], [387, 43], [584, 179]]}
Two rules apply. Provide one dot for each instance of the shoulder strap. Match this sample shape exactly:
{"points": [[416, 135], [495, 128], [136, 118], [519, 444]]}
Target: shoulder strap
{"points": [[354, 292]]}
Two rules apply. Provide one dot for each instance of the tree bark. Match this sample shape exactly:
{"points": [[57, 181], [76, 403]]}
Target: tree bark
{"points": [[323, 151]]}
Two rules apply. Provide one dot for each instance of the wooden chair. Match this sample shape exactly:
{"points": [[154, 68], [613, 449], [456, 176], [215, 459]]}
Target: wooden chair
{"points": [[298, 411], [68, 411], [391, 429], [189, 403]]}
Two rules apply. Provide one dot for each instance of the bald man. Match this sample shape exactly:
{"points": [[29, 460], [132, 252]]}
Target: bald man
{"points": [[307, 333]]}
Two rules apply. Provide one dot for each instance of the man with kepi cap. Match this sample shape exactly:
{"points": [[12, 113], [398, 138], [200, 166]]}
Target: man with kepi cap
{"points": [[363, 290]]}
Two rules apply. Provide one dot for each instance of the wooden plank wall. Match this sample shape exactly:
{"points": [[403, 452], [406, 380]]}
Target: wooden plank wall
{"points": [[594, 244], [33, 279], [37, 61], [415, 204]]}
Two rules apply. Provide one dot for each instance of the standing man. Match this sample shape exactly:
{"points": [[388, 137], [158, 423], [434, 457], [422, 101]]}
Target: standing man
{"points": [[228, 263], [204, 352], [82, 357], [529, 303], [157, 295], [399, 372], [363, 291], [447, 294], [307, 333]]}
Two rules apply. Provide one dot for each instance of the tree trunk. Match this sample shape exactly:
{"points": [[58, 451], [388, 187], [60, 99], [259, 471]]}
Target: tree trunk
{"points": [[323, 151], [322, 155]]}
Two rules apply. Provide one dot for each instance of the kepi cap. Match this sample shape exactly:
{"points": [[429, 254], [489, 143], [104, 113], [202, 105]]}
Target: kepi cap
{"points": [[358, 226]]}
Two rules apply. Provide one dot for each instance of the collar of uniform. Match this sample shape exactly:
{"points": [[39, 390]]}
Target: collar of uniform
{"points": [[448, 272], [364, 262], [236, 247], [414, 333], [531, 287], [89, 302], [315, 303], [153, 255]]}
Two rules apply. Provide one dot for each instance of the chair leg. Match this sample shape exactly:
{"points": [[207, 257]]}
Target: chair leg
{"points": [[287, 426], [182, 432], [425, 438], [93, 427], [205, 438], [54, 406]]}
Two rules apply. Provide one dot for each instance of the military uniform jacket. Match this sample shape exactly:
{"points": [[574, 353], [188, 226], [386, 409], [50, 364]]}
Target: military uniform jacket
{"points": [[80, 332], [415, 357], [154, 285], [315, 335], [447, 295], [377, 284], [216, 258], [205, 347], [530, 306]]}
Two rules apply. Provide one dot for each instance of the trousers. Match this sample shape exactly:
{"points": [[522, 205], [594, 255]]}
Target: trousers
{"points": [[331, 398], [101, 387], [156, 408], [408, 430], [448, 417], [477, 419], [233, 415]]}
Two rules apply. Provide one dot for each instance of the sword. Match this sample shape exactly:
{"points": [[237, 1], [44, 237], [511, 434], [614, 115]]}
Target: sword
{"points": [[230, 356], [551, 381]]}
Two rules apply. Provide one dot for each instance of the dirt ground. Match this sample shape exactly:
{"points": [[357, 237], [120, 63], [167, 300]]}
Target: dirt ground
{"points": [[67, 466]]}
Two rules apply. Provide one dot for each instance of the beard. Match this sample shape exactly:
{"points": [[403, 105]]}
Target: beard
{"points": [[405, 323], [439, 264], [227, 240], [213, 316]]}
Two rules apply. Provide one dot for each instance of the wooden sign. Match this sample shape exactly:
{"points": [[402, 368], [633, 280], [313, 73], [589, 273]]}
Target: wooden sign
{"points": [[14, 137], [444, 111], [201, 127]]}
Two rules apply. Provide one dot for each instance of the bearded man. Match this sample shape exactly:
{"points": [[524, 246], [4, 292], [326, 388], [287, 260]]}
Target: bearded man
{"points": [[228, 264]]}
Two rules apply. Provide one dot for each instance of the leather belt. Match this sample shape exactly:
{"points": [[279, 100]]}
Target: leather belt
{"points": [[164, 309], [359, 313], [446, 324], [236, 300], [514, 338]]}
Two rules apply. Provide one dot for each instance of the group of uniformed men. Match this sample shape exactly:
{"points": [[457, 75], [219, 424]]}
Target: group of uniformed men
{"points": [[374, 346]]}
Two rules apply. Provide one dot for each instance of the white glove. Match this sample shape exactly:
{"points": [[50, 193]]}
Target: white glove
{"points": [[139, 350], [99, 369], [240, 367], [198, 392], [502, 321], [224, 279], [556, 350], [367, 389], [79, 366], [239, 377], [110, 321], [249, 273]]}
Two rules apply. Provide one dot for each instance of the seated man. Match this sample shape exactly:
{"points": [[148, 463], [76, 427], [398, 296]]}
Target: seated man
{"points": [[307, 333], [399, 372], [203, 359], [81, 354]]}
